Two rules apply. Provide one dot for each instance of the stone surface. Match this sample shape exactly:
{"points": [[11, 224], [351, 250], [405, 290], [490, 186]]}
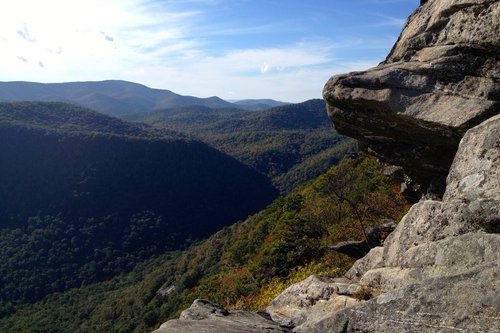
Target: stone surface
{"points": [[440, 79], [207, 317], [475, 171], [312, 299], [468, 302], [374, 259]]}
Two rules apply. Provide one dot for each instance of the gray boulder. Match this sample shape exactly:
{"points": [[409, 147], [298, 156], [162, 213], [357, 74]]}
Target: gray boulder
{"points": [[311, 300]]}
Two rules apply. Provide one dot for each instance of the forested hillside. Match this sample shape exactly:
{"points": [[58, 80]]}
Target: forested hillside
{"points": [[84, 196], [242, 266], [290, 144]]}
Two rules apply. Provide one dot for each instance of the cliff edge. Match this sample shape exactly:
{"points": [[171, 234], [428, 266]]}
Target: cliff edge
{"points": [[440, 79], [431, 107]]}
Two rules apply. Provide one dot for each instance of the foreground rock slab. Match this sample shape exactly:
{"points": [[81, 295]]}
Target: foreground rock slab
{"points": [[312, 300], [207, 317]]}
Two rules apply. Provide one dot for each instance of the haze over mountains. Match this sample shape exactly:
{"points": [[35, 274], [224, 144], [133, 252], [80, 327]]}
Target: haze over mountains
{"points": [[116, 98]]}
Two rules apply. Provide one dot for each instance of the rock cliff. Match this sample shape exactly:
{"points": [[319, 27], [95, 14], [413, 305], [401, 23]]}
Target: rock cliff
{"points": [[431, 107], [438, 271], [440, 79]]}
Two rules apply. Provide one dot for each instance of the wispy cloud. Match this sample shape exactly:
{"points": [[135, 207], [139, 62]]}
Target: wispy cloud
{"points": [[283, 58], [225, 30], [65, 35], [294, 73]]}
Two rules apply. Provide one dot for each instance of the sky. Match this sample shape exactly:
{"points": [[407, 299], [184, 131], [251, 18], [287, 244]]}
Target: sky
{"points": [[235, 49]]}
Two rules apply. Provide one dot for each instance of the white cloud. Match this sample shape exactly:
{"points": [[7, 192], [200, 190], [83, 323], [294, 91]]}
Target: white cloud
{"points": [[264, 68], [87, 36], [256, 73]]}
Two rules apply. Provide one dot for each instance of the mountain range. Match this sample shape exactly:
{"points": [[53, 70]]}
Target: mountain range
{"points": [[115, 97], [288, 143]]}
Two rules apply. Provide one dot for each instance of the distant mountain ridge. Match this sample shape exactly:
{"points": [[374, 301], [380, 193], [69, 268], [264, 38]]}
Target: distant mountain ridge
{"points": [[259, 104], [112, 97]]}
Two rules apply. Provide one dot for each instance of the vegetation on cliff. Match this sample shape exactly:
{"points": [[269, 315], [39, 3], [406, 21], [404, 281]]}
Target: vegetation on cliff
{"points": [[241, 266]]}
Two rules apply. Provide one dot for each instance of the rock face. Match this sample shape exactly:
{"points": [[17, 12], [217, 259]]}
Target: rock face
{"points": [[459, 303], [312, 300], [440, 79]]}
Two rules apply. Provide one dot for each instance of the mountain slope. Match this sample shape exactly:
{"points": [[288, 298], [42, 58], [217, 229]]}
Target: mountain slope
{"points": [[244, 265], [286, 143], [84, 196], [111, 97]]}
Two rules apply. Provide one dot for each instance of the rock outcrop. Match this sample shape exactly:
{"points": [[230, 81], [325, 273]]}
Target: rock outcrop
{"points": [[440, 79], [431, 107], [312, 300], [207, 317], [438, 271]]}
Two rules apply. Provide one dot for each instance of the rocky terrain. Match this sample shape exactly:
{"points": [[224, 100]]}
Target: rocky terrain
{"points": [[431, 107]]}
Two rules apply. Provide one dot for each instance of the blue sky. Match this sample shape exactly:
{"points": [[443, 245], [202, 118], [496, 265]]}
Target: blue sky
{"points": [[235, 49]]}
